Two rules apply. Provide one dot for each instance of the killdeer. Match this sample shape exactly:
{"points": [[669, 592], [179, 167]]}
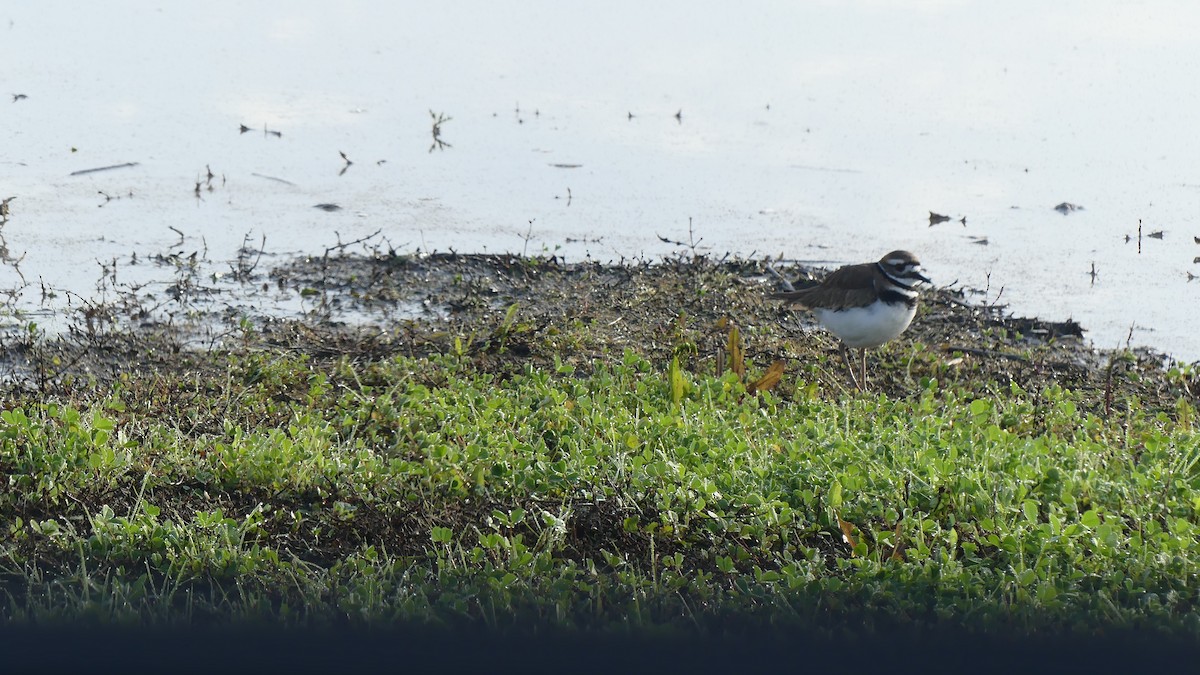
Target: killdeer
{"points": [[864, 305]]}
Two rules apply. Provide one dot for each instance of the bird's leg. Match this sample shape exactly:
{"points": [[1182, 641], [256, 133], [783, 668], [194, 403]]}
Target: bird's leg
{"points": [[850, 367], [862, 356]]}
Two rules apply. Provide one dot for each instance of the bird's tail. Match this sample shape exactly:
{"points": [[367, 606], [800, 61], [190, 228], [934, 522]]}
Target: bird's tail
{"points": [[791, 295]]}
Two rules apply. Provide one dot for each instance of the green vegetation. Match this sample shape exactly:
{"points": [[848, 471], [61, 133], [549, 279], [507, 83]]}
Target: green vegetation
{"points": [[632, 494]]}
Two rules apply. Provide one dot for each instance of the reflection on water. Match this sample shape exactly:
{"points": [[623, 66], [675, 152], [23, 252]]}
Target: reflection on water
{"points": [[816, 131]]}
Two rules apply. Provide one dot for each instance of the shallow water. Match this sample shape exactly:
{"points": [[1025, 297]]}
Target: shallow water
{"points": [[822, 132]]}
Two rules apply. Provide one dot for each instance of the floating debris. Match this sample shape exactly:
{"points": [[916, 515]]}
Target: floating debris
{"points": [[328, 207], [108, 198], [982, 241], [103, 168], [935, 218], [438, 120], [19, 97], [207, 181], [566, 166], [1067, 207], [242, 128], [277, 180], [1157, 234]]}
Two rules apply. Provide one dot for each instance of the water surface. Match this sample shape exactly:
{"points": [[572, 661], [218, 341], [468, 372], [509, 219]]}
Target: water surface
{"points": [[816, 131]]}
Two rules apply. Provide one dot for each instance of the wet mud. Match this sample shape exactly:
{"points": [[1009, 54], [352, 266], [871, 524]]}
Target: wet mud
{"points": [[506, 312]]}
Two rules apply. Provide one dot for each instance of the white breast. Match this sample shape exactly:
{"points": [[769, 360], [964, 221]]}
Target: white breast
{"points": [[867, 327]]}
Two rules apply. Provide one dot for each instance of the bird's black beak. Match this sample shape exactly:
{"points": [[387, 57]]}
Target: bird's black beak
{"points": [[922, 277]]}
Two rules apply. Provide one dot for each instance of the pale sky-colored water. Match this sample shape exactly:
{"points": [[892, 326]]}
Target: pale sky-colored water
{"points": [[821, 131]]}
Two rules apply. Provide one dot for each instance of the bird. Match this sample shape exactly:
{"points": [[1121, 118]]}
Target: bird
{"points": [[864, 305]]}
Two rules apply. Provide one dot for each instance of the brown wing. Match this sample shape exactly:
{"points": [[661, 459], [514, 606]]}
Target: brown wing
{"points": [[851, 286]]}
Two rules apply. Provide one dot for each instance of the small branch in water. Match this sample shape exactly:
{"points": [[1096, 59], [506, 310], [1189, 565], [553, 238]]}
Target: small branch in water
{"points": [[277, 180], [108, 198], [692, 243], [103, 168]]}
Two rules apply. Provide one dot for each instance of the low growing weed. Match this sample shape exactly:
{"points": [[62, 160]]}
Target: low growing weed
{"points": [[632, 495]]}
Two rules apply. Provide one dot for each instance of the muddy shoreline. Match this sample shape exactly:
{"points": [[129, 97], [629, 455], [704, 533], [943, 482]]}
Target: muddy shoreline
{"points": [[506, 312]]}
